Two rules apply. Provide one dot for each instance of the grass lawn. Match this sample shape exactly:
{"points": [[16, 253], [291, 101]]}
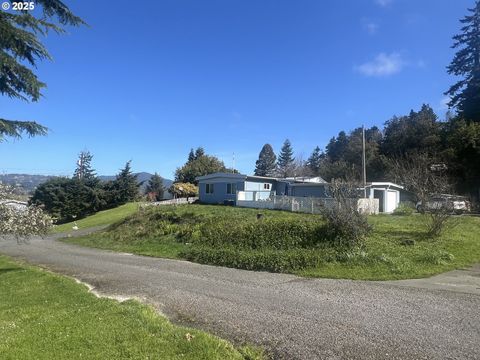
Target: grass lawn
{"points": [[290, 242], [46, 316], [105, 217]]}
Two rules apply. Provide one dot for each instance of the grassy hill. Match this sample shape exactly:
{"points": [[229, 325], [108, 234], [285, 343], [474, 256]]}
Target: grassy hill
{"points": [[105, 217], [289, 242]]}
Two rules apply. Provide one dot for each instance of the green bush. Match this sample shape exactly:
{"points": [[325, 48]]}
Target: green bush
{"points": [[404, 209], [266, 259], [279, 234], [345, 225]]}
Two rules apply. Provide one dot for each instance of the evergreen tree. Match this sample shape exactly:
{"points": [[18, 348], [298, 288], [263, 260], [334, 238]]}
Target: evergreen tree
{"points": [[337, 146], [286, 161], [84, 169], [199, 153], [155, 187], [125, 186], [314, 161], [202, 165], [465, 94], [20, 50], [266, 163], [191, 156], [418, 131]]}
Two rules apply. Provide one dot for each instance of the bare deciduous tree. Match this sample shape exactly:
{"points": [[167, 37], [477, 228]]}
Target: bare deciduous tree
{"points": [[425, 177], [346, 225]]}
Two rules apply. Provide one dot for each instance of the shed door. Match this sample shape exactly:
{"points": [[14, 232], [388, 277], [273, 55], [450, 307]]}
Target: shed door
{"points": [[391, 201]]}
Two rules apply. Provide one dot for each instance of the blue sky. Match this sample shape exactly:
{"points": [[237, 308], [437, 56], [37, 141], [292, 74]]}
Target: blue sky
{"points": [[149, 80]]}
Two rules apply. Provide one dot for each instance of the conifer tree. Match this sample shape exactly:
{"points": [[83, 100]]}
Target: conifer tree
{"points": [[266, 163], [155, 187], [126, 185], [286, 161], [20, 50], [84, 170], [465, 94], [191, 156], [314, 161], [200, 152]]}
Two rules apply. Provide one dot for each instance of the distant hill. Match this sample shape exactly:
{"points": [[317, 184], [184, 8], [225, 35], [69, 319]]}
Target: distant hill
{"points": [[30, 182], [24, 181]]}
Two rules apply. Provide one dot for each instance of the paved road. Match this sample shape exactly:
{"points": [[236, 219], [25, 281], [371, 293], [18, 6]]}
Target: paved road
{"points": [[295, 317]]}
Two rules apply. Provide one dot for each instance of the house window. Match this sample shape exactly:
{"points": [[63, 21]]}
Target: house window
{"points": [[231, 189], [209, 188], [266, 186]]}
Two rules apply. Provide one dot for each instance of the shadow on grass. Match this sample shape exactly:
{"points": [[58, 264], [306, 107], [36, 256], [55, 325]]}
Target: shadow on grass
{"points": [[401, 235]]}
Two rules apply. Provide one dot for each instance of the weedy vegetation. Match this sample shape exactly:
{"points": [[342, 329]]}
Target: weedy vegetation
{"points": [[392, 247]]}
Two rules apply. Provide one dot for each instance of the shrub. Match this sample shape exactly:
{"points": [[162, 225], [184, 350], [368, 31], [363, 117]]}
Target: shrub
{"points": [[280, 234], [346, 226], [439, 220], [266, 259], [404, 209]]}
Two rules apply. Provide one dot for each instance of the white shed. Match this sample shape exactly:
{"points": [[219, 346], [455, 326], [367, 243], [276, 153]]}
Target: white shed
{"points": [[387, 193]]}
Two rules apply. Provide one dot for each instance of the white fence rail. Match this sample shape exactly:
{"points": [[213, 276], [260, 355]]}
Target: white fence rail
{"points": [[312, 205], [172, 201]]}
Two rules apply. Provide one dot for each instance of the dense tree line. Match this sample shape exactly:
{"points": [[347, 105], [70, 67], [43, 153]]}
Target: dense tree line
{"points": [[66, 199], [452, 144]]}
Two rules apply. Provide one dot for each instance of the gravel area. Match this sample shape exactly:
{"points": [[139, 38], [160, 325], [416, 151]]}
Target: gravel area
{"points": [[293, 317]]}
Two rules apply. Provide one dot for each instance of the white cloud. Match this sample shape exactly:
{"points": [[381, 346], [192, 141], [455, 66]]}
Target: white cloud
{"points": [[371, 27], [382, 65], [383, 3], [444, 103]]}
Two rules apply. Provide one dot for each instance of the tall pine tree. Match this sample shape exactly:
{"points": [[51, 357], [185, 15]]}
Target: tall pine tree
{"points": [[314, 161], [286, 161], [84, 170], [465, 94], [191, 156], [21, 50], [155, 187], [125, 185], [266, 163]]}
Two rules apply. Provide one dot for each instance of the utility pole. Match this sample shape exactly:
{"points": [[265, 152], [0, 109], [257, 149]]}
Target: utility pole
{"points": [[364, 166]]}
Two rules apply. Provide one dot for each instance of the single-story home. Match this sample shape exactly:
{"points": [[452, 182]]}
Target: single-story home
{"points": [[230, 188], [220, 188]]}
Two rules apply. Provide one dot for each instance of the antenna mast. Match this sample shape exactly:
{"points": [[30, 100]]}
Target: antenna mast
{"points": [[364, 166]]}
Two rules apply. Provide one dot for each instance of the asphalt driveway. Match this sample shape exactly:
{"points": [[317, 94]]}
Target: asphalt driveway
{"points": [[294, 317]]}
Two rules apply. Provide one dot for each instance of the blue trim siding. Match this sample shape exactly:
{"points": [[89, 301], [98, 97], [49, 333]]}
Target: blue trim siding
{"points": [[219, 195], [220, 182]]}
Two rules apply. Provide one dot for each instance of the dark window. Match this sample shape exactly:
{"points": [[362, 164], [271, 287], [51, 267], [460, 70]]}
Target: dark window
{"points": [[209, 188], [266, 186], [231, 188]]}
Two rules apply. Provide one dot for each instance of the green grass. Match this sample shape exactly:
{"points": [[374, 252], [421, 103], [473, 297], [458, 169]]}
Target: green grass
{"points": [[226, 236], [46, 316], [105, 217]]}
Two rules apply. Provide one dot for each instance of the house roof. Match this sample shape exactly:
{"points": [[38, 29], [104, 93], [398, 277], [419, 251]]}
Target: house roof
{"points": [[306, 179], [383, 184], [292, 180], [222, 175]]}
